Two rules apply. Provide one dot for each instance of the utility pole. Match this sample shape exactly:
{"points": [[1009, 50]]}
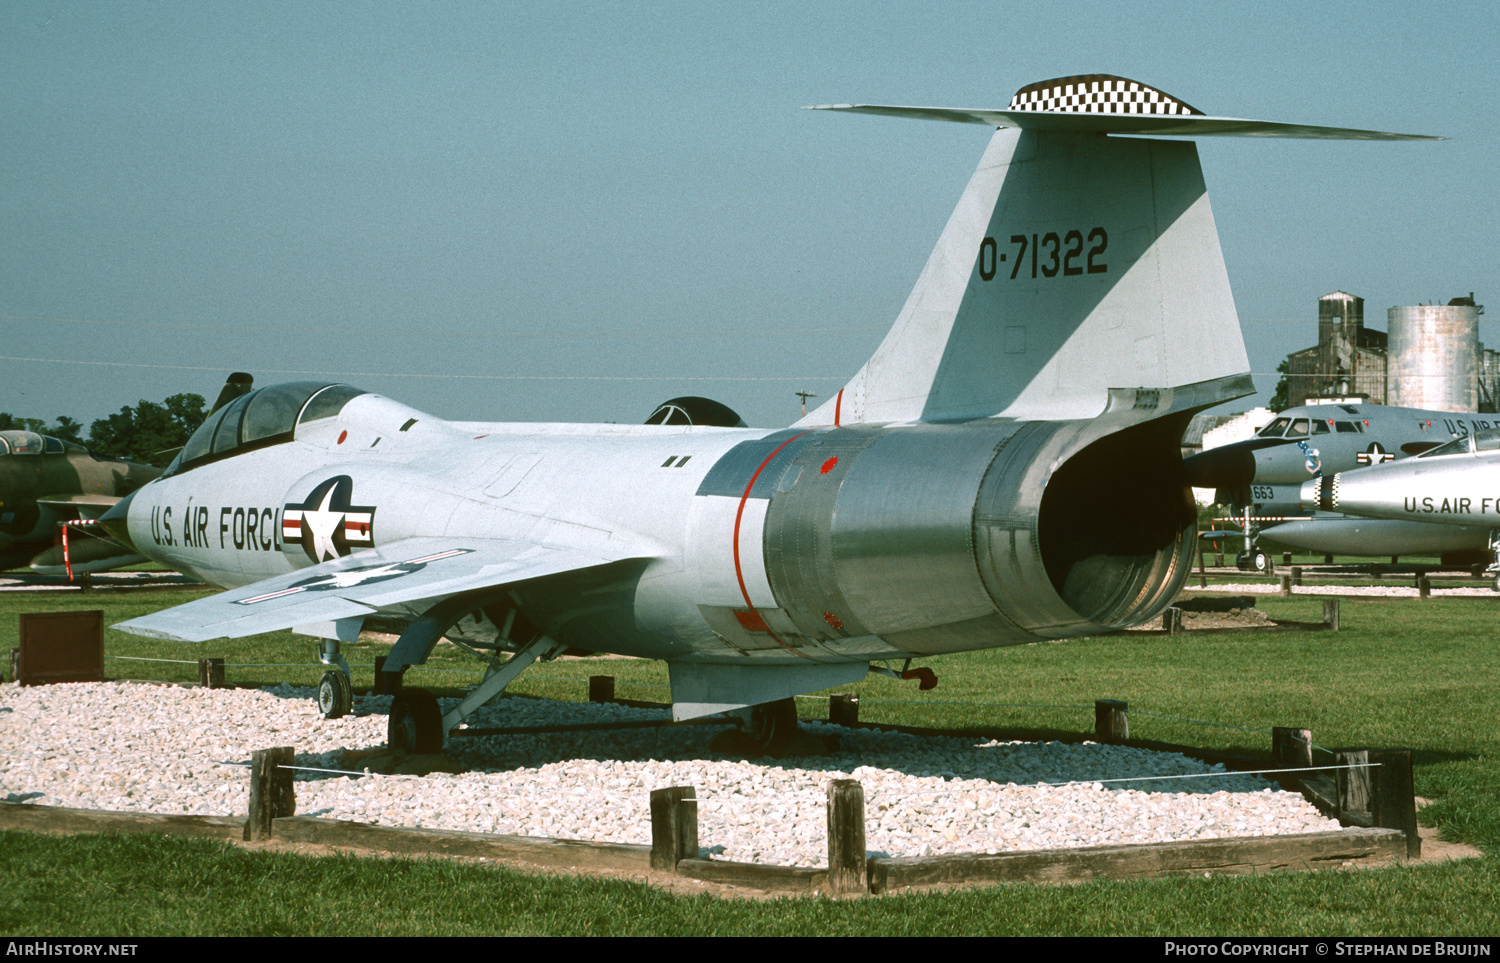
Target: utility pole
{"points": [[804, 395]]}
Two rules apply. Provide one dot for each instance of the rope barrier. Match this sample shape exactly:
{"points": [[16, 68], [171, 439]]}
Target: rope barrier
{"points": [[574, 678], [995, 787], [1091, 782], [662, 685], [938, 702]]}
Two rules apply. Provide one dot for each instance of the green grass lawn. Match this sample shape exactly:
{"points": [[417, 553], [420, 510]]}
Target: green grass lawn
{"points": [[1404, 672]]}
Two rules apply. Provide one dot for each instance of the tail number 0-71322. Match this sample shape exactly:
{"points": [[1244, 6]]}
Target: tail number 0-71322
{"points": [[1051, 254]]}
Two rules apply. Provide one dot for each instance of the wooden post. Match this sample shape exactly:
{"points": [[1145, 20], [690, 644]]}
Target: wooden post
{"points": [[1291, 748], [1286, 586], [1354, 787], [1424, 587], [1202, 569], [602, 689], [271, 794], [1394, 804], [846, 838], [1331, 613], [1296, 575], [674, 826], [211, 673], [1328, 559], [1171, 620], [1219, 559], [843, 709], [1286, 558], [1111, 720]]}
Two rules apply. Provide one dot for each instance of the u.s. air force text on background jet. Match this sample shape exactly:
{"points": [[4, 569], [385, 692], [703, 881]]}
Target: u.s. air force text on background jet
{"points": [[962, 491], [1453, 487]]}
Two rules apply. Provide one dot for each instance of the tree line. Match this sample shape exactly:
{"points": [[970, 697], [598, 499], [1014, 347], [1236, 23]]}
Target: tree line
{"points": [[148, 432]]}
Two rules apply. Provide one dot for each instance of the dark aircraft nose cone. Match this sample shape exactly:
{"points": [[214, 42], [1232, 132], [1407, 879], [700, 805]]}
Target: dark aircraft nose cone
{"points": [[116, 522], [1228, 466]]}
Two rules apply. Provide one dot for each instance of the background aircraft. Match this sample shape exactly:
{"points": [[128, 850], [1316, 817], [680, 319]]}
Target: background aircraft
{"points": [[45, 481], [1454, 487], [1265, 474], [1004, 469]]}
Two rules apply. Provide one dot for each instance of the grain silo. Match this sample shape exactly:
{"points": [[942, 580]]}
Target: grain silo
{"points": [[1433, 356], [1490, 381]]}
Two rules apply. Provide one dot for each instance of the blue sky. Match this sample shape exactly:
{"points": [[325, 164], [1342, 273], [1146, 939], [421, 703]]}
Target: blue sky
{"points": [[572, 211]]}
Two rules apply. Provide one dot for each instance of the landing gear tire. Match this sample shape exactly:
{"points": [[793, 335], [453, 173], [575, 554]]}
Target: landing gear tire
{"points": [[1263, 564], [1496, 583], [772, 724], [415, 725], [773, 731], [335, 695]]}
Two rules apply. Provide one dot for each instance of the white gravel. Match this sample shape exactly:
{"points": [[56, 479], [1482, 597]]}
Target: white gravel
{"points": [[121, 746]]}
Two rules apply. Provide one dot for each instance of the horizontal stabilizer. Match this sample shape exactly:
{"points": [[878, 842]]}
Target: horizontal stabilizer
{"points": [[1168, 125], [81, 506], [1106, 104], [422, 570]]}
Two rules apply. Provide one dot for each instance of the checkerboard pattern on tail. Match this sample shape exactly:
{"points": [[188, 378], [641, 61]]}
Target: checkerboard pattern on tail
{"points": [[1097, 94]]}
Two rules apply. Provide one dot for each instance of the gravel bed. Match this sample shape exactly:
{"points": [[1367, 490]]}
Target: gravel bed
{"points": [[121, 746]]}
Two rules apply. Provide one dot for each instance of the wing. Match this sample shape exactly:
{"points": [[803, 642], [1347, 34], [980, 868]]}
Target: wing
{"points": [[80, 506], [412, 570]]}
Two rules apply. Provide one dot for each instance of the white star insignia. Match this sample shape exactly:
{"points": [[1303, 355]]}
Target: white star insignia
{"points": [[323, 523]]}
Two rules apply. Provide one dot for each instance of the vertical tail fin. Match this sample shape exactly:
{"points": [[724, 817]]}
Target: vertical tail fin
{"points": [[1074, 263]]}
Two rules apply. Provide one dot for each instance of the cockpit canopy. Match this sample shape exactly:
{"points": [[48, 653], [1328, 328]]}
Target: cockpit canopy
{"points": [[19, 442], [1487, 440], [268, 416]]}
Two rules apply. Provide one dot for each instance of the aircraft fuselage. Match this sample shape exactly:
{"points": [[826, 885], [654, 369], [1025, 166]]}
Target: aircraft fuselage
{"points": [[838, 544]]}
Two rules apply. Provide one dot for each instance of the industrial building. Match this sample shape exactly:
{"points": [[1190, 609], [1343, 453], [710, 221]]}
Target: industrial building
{"points": [[1429, 356]]}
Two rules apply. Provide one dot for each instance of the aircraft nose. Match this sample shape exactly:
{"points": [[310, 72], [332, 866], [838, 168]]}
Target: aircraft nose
{"points": [[1233, 465], [116, 521]]}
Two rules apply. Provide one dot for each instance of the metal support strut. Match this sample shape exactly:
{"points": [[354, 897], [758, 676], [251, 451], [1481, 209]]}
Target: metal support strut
{"points": [[496, 679]]}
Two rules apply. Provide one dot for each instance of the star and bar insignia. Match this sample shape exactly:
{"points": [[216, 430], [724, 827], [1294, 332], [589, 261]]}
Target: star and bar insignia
{"points": [[327, 525]]}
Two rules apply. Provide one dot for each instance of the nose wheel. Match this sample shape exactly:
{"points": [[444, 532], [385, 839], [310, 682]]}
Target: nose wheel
{"points": [[1255, 561], [415, 725], [335, 695]]}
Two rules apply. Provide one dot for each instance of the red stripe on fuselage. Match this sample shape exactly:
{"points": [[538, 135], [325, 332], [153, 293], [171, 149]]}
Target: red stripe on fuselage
{"points": [[738, 573]]}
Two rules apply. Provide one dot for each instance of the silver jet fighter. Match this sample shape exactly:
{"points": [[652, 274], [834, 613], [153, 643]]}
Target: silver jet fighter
{"points": [[1005, 468], [1264, 476], [1454, 487]]}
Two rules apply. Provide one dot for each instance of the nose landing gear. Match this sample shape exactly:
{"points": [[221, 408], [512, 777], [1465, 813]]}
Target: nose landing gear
{"points": [[1255, 560], [335, 691]]}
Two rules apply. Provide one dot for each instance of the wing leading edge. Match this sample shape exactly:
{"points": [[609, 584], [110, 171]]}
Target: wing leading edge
{"points": [[414, 570]]}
